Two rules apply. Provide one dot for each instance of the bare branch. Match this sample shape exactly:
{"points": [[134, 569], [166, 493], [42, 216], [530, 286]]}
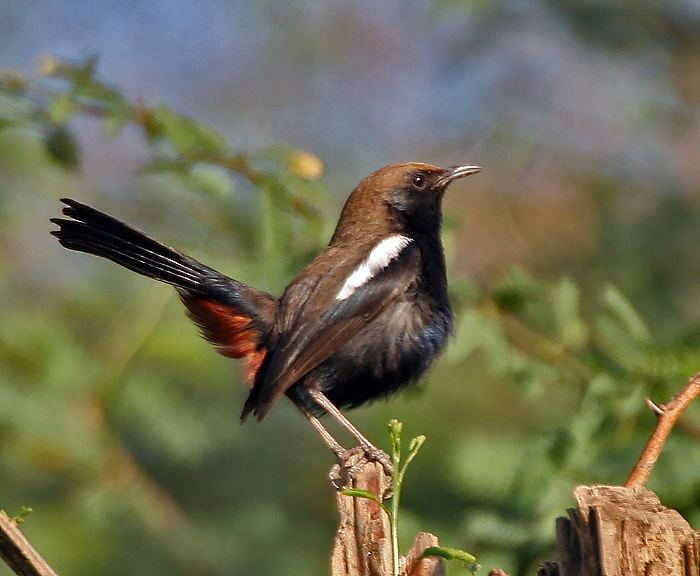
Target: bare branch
{"points": [[668, 415], [18, 553]]}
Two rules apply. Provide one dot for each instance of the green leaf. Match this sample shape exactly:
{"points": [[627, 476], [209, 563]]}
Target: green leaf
{"points": [[188, 137], [570, 326], [24, 511], [360, 493], [62, 109], [413, 449], [63, 147], [624, 313], [395, 438], [212, 180], [82, 73], [117, 117], [415, 445], [449, 554], [516, 291]]}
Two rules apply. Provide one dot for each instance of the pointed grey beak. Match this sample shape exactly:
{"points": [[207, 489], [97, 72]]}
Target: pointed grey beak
{"points": [[456, 172]]}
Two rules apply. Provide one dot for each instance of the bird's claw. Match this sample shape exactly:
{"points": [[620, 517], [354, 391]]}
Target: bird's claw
{"points": [[348, 465], [374, 454], [350, 462]]}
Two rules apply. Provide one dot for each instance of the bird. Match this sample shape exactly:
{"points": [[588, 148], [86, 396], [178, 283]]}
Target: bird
{"points": [[361, 321]]}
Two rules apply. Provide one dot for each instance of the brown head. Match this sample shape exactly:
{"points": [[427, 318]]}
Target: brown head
{"points": [[398, 198]]}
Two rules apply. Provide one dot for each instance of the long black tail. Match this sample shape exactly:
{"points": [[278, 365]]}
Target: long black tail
{"points": [[231, 315], [89, 230]]}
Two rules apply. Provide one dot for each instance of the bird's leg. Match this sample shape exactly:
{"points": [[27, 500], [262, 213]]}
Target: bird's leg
{"points": [[325, 435], [371, 451], [349, 461]]}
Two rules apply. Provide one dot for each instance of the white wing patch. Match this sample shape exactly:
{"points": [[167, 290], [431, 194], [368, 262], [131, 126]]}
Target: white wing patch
{"points": [[379, 258]]}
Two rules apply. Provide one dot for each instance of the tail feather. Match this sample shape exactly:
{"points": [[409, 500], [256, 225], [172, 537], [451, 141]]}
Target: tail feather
{"points": [[99, 221], [96, 233], [231, 315], [78, 236]]}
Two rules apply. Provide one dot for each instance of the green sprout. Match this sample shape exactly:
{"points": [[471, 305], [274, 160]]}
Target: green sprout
{"points": [[24, 511]]}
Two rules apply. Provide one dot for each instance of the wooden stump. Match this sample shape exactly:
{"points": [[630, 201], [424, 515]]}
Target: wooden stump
{"points": [[616, 531], [363, 541]]}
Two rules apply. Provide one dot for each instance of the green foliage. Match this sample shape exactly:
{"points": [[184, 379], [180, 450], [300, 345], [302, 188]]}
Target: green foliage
{"points": [[188, 138], [601, 366], [63, 147]]}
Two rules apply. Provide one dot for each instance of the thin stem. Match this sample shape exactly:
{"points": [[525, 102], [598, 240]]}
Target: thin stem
{"points": [[395, 433], [394, 522]]}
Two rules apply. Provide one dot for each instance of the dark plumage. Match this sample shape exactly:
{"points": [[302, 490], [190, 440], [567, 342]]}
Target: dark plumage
{"points": [[363, 319]]}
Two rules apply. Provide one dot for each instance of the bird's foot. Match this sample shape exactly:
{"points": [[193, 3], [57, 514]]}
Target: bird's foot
{"points": [[374, 454], [350, 462], [347, 467]]}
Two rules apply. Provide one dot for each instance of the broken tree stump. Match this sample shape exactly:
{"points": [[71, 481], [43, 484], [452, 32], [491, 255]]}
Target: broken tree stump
{"points": [[363, 542], [617, 531]]}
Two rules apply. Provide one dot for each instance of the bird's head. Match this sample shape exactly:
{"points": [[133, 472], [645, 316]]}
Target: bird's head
{"points": [[399, 198]]}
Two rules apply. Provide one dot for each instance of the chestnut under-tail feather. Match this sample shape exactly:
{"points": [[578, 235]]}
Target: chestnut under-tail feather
{"points": [[232, 334]]}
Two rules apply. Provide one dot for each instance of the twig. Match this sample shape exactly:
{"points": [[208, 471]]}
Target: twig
{"points": [[667, 417], [18, 553]]}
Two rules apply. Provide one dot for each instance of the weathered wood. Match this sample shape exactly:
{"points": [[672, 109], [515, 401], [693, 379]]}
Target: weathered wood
{"points": [[413, 565], [617, 531], [363, 541], [18, 553]]}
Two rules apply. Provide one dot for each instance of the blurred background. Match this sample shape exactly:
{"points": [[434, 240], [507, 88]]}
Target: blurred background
{"points": [[234, 131]]}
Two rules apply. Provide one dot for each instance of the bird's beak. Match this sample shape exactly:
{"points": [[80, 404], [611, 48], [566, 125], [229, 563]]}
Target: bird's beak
{"points": [[456, 172]]}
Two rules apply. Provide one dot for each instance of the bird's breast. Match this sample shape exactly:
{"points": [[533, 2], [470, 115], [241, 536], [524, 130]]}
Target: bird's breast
{"points": [[393, 351]]}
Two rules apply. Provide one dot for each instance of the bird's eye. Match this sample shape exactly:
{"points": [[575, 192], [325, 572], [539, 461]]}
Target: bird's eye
{"points": [[419, 181]]}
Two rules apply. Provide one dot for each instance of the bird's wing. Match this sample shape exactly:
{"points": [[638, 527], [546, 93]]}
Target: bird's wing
{"points": [[318, 332], [234, 317]]}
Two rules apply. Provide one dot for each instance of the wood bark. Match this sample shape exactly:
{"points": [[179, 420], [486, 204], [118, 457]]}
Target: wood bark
{"points": [[618, 531], [363, 541]]}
